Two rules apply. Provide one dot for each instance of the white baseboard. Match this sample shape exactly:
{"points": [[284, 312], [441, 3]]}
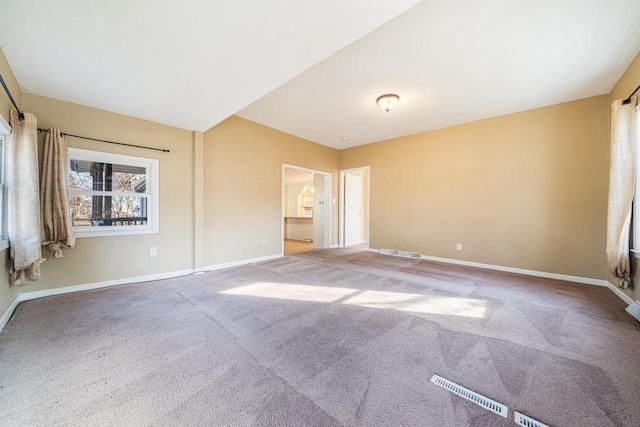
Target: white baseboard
{"points": [[565, 277], [26, 296], [239, 262], [7, 315], [634, 306], [616, 290]]}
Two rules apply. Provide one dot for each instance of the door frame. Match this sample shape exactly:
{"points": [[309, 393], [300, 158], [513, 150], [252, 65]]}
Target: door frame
{"points": [[341, 204], [327, 219]]}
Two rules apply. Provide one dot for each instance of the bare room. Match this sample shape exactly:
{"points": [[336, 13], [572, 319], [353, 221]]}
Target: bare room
{"points": [[320, 213]]}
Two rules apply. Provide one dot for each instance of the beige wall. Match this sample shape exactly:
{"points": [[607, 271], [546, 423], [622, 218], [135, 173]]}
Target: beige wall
{"points": [[525, 190], [627, 83], [100, 259], [243, 187], [14, 87], [7, 292]]}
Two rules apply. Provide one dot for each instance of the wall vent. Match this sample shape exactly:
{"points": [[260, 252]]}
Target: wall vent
{"points": [[523, 420], [476, 398], [403, 254], [634, 310]]}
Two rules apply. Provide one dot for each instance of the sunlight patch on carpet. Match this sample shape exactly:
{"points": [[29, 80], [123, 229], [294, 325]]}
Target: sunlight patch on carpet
{"points": [[414, 303]]}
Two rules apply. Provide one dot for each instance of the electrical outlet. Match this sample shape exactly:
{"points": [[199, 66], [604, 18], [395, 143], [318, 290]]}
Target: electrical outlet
{"points": [[153, 251], [459, 246], [264, 240]]}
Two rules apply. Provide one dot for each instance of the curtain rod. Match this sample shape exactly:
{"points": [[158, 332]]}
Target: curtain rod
{"points": [[21, 117], [6, 89], [164, 150], [628, 100]]}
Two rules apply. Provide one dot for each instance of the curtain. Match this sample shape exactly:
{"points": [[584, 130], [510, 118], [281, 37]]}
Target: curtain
{"points": [[621, 189], [57, 232], [23, 206]]}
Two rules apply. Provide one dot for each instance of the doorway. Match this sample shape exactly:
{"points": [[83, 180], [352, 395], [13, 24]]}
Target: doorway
{"points": [[354, 206], [306, 209]]}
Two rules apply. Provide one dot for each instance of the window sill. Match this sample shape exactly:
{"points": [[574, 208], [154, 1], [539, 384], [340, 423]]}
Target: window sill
{"points": [[80, 234], [4, 244], [636, 253]]}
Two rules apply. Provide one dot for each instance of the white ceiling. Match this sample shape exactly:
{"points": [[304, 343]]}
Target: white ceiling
{"points": [[457, 61], [188, 63]]}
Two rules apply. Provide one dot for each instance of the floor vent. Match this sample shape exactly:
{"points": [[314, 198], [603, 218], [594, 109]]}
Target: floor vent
{"points": [[634, 310], [523, 420], [403, 254], [389, 252], [479, 399]]}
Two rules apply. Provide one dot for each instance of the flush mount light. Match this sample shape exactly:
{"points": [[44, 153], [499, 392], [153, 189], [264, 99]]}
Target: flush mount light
{"points": [[345, 138], [388, 101]]}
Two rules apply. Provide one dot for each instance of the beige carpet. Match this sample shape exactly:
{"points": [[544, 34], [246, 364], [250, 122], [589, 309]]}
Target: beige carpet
{"points": [[325, 338]]}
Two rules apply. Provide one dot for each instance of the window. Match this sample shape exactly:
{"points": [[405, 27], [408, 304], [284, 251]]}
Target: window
{"points": [[2, 186], [635, 215], [5, 130], [112, 194]]}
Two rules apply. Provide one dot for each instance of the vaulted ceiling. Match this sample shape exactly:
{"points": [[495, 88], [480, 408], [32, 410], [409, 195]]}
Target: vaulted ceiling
{"points": [[315, 68], [457, 61], [188, 63]]}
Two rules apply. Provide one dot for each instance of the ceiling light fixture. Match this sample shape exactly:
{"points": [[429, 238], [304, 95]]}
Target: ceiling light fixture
{"points": [[345, 138], [388, 101]]}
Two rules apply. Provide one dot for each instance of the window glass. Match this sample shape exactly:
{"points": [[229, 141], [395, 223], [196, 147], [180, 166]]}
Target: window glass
{"points": [[111, 192]]}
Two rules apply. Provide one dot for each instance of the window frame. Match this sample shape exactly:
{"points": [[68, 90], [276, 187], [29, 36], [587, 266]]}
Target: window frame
{"points": [[5, 133], [152, 193], [635, 211]]}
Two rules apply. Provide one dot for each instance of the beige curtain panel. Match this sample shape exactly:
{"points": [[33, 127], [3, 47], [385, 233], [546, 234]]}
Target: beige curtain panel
{"points": [[57, 231], [23, 203], [621, 189]]}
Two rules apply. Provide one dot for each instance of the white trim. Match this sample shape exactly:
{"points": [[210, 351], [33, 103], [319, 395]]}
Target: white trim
{"points": [[152, 167], [4, 244], [5, 132], [282, 202], [616, 290], [635, 246], [26, 296], [7, 315], [557, 276], [341, 204], [239, 262], [115, 231], [76, 192], [335, 246], [5, 127]]}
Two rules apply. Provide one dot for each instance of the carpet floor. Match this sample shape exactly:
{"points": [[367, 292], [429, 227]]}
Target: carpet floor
{"points": [[324, 338]]}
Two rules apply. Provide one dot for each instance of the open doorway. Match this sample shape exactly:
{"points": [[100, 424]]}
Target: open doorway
{"points": [[354, 206], [306, 209]]}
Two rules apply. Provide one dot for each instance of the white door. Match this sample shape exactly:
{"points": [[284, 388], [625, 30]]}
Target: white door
{"points": [[321, 213], [352, 210]]}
